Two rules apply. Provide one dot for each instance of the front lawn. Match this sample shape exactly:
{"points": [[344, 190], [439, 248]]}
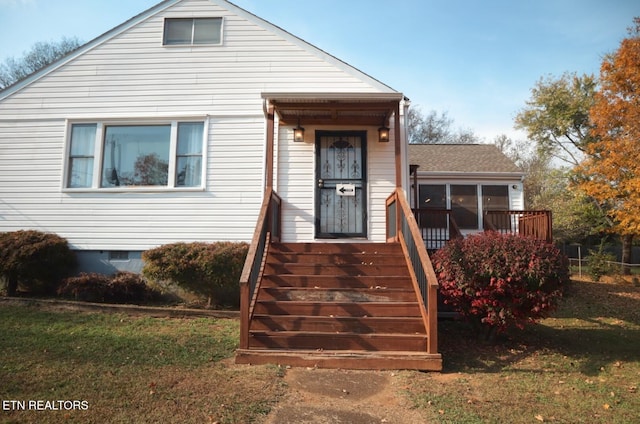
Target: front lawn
{"points": [[123, 369], [581, 366]]}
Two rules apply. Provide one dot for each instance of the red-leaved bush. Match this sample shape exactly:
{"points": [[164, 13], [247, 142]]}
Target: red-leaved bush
{"points": [[496, 281]]}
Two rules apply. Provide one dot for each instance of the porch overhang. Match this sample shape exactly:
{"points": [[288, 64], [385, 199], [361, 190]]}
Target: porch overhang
{"points": [[367, 109]]}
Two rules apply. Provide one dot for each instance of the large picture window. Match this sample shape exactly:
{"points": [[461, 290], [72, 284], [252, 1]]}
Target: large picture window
{"points": [[190, 31], [168, 155], [136, 155]]}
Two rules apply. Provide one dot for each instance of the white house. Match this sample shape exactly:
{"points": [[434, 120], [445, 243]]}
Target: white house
{"points": [[198, 121], [169, 127]]}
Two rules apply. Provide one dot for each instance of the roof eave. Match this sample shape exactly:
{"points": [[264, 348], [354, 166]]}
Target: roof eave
{"points": [[471, 175]]}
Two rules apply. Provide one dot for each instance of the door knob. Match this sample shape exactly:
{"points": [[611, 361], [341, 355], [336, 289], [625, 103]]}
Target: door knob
{"points": [[321, 183]]}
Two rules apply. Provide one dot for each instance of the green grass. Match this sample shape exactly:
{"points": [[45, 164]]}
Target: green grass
{"points": [[580, 366], [129, 369]]}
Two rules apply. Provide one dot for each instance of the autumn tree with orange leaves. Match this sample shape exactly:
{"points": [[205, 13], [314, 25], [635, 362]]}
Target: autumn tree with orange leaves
{"points": [[611, 172]]}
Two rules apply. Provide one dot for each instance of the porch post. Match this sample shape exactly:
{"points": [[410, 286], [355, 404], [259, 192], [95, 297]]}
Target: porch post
{"points": [[269, 151], [398, 145]]}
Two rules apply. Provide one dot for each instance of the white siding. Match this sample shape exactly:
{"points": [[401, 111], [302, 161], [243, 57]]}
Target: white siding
{"points": [[32, 198], [131, 75], [516, 196]]}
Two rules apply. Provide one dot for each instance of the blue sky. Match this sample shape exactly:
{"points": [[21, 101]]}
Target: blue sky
{"points": [[477, 60]]}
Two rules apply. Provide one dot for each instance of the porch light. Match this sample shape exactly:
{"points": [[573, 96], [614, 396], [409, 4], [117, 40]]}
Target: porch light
{"points": [[383, 134], [298, 134]]}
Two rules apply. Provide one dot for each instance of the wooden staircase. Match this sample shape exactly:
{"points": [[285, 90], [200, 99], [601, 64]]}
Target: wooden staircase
{"points": [[338, 305]]}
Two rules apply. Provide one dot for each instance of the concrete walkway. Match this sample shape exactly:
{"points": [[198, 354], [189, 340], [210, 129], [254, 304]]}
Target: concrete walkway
{"points": [[324, 396]]}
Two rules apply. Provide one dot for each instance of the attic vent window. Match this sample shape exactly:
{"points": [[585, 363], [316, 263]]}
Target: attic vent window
{"points": [[192, 31]]}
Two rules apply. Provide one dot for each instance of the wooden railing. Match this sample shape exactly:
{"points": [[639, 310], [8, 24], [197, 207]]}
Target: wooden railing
{"points": [[437, 226], [267, 230], [402, 228], [536, 224]]}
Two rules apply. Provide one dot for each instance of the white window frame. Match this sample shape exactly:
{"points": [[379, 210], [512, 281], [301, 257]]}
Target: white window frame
{"points": [[191, 43], [101, 124]]}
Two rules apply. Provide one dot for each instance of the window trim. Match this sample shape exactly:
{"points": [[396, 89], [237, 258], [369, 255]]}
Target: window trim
{"points": [[101, 124], [191, 43]]}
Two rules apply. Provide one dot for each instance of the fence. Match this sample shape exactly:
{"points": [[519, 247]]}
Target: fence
{"points": [[580, 267]]}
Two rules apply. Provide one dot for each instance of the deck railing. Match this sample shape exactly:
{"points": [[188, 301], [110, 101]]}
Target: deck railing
{"points": [[402, 228], [437, 226], [267, 230], [536, 224]]}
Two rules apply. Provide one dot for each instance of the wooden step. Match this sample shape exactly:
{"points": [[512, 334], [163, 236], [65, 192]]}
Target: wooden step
{"points": [[338, 309], [405, 325], [375, 294], [339, 281], [358, 359], [337, 258], [333, 248], [337, 341], [327, 269]]}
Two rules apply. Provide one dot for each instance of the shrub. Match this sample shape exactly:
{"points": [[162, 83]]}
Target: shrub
{"points": [[498, 280], [123, 287], [210, 270], [599, 263], [126, 287], [88, 287], [35, 260]]}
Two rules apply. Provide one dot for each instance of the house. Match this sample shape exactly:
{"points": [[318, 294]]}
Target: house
{"points": [[464, 189], [199, 121]]}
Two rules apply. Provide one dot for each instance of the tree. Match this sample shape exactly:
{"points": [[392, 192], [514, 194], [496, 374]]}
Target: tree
{"points": [[435, 128], [575, 216], [611, 172], [556, 117], [40, 55], [535, 165]]}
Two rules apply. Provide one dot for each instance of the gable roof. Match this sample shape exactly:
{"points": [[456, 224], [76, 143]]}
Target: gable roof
{"points": [[165, 4], [461, 158]]}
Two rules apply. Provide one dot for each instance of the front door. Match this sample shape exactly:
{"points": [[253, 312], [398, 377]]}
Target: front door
{"points": [[341, 174]]}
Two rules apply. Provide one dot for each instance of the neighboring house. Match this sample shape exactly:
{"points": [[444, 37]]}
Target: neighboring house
{"points": [[463, 185], [198, 121]]}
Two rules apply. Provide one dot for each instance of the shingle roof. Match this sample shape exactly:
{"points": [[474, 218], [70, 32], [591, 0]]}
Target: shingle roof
{"points": [[484, 158]]}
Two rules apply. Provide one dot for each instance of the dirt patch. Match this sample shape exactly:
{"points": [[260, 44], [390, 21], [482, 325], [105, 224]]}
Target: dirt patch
{"points": [[323, 396]]}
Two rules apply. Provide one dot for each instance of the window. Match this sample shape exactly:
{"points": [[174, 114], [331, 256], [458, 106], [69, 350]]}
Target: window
{"points": [[168, 154], [464, 206], [81, 151], [190, 31], [496, 198], [433, 196], [118, 255], [136, 155], [189, 154]]}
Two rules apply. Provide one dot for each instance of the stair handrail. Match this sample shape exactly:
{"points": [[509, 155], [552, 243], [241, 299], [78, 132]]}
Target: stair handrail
{"points": [[403, 228], [266, 231]]}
